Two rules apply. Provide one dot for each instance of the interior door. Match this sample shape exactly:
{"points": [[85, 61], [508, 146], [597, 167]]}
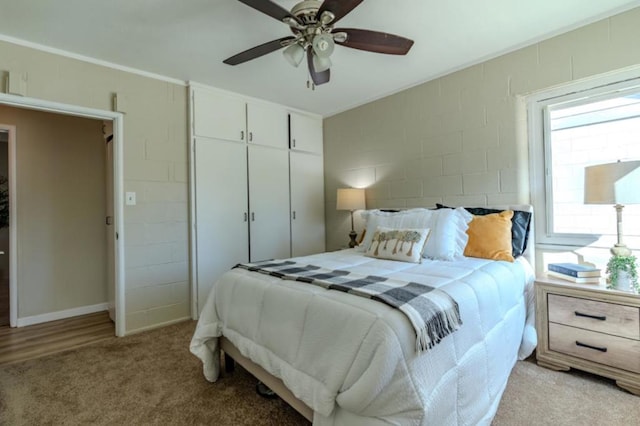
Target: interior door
{"points": [[109, 214], [270, 235], [222, 231], [4, 228]]}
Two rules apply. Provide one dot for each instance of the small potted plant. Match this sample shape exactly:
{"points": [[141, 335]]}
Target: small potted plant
{"points": [[623, 274]]}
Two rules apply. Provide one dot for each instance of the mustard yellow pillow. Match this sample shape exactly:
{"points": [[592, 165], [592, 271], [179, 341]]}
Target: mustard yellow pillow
{"points": [[490, 237]]}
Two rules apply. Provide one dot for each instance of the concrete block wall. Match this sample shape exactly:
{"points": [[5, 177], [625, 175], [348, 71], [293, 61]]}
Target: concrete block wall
{"points": [[155, 167], [462, 139]]}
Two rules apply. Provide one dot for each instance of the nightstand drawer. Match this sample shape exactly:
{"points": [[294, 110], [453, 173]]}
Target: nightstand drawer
{"points": [[610, 318], [602, 348]]}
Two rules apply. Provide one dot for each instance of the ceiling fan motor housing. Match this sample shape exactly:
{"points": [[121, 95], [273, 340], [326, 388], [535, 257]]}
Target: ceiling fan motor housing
{"points": [[306, 11]]}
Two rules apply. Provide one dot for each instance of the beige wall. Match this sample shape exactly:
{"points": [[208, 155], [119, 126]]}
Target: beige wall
{"points": [[462, 139], [155, 167], [61, 207]]}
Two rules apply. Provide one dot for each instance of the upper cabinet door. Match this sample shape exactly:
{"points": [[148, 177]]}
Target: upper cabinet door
{"points": [[306, 133], [219, 116], [267, 125]]}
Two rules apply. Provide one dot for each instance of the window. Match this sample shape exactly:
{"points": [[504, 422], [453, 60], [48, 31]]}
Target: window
{"points": [[569, 131]]}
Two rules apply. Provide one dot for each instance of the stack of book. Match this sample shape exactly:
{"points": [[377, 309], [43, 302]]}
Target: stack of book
{"points": [[578, 273]]}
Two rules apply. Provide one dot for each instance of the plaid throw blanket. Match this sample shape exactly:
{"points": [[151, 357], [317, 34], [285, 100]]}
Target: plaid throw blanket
{"points": [[432, 312]]}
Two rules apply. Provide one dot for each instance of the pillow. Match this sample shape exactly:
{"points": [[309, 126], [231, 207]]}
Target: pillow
{"points": [[520, 226], [405, 244], [490, 237], [448, 237], [448, 234], [412, 218]]}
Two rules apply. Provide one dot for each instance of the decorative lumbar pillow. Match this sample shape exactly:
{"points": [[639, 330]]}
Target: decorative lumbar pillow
{"points": [[405, 219], [520, 226], [405, 244], [490, 237]]}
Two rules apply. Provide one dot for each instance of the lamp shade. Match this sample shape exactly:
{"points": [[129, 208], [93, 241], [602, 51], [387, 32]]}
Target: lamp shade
{"points": [[612, 183], [350, 199]]}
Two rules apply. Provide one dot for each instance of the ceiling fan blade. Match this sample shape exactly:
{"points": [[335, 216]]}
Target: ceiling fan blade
{"points": [[375, 41], [270, 8], [338, 7], [256, 52], [317, 77]]}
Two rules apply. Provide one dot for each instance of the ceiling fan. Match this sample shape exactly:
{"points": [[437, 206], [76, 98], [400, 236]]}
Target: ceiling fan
{"points": [[312, 24]]}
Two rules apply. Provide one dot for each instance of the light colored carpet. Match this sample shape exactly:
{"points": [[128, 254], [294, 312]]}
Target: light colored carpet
{"points": [[151, 378]]}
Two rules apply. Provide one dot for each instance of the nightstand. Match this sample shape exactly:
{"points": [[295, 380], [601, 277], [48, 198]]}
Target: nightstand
{"points": [[590, 328]]}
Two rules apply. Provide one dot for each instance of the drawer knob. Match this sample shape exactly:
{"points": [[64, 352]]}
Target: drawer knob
{"points": [[596, 348], [597, 317]]}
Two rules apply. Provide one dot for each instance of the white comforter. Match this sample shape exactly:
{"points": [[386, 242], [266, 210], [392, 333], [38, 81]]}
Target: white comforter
{"points": [[353, 360]]}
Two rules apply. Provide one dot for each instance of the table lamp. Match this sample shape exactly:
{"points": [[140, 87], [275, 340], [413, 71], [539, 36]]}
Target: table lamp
{"points": [[351, 199], [617, 184]]}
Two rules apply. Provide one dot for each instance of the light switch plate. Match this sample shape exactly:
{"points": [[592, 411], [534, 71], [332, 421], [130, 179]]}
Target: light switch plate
{"points": [[131, 198]]}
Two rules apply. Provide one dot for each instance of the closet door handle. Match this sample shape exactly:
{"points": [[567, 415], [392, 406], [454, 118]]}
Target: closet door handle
{"points": [[253, 216], [245, 216], [241, 135], [294, 215], [250, 136], [294, 142]]}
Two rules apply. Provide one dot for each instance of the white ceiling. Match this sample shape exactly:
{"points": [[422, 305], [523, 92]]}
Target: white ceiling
{"points": [[189, 39]]}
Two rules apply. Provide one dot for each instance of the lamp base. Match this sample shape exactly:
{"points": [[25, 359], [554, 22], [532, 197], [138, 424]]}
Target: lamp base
{"points": [[620, 250], [353, 236]]}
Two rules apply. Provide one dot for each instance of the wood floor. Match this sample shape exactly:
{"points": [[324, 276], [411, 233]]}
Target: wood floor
{"points": [[19, 344]]}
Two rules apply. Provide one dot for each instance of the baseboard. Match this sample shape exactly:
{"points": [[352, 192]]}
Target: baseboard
{"points": [[67, 313], [159, 325]]}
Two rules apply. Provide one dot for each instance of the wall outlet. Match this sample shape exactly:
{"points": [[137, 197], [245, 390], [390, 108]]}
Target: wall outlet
{"points": [[130, 198]]}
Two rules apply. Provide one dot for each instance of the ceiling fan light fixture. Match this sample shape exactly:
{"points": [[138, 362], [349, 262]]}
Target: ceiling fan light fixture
{"points": [[327, 17], [340, 37], [294, 54], [321, 64], [323, 45]]}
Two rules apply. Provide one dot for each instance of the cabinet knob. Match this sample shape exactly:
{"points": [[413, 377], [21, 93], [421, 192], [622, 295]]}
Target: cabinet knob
{"points": [[294, 142], [241, 135], [245, 216], [253, 216], [250, 136], [294, 215]]}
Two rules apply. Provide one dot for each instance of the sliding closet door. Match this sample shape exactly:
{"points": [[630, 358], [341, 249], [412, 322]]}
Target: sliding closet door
{"points": [[221, 210]]}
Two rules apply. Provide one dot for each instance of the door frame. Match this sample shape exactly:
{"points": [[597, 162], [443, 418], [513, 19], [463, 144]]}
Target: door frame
{"points": [[118, 196]]}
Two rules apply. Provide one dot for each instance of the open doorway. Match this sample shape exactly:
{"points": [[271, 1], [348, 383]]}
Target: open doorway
{"points": [[67, 240]]}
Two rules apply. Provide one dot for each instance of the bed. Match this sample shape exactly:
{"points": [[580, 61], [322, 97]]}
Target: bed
{"points": [[342, 359]]}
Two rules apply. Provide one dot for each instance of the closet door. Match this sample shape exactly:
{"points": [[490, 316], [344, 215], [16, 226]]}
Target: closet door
{"points": [[307, 204], [269, 203], [221, 210]]}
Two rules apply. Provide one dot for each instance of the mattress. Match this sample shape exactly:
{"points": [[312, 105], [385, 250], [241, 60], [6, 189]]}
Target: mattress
{"points": [[353, 360]]}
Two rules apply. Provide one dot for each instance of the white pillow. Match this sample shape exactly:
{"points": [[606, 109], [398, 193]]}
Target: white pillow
{"points": [[412, 218], [448, 234]]}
